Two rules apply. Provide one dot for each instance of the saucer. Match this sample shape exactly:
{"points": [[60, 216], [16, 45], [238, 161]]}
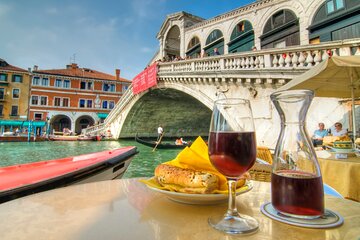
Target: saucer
{"points": [[329, 220]]}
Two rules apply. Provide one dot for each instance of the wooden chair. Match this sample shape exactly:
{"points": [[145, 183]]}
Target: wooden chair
{"points": [[262, 172], [264, 153]]}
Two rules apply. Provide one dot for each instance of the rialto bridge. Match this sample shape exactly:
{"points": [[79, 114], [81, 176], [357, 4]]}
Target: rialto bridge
{"points": [[289, 37], [183, 97]]}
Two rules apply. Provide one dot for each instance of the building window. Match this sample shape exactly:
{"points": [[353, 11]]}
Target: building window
{"points": [[16, 93], [1, 110], [108, 87], [38, 116], [57, 102], [14, 110], [65, 102], [58, 83], [66, 84], [43, 100], [83, 85], [111, 104], [2, 93], [89, 104], [105, 104], [86, 85], [334, 5], [125, 87], [34, 100], [82, 103], [36, 81], [45, 82], [17, 78], [3, 77]]}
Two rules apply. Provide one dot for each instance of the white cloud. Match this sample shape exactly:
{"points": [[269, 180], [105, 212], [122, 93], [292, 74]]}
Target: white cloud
{"points": [[146, 50], [51, 11], [4, 9]]}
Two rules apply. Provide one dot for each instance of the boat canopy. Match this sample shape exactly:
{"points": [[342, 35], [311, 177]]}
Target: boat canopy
{"points": [[102, 115]]}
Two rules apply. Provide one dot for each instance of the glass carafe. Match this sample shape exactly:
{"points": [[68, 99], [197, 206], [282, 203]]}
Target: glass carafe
{"points": [[296, 182]]}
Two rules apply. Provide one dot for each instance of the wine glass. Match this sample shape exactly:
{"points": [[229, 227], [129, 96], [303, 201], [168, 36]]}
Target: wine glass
{"points": [[232, 151]]}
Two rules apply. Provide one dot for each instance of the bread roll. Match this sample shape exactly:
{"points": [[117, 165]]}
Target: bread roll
{"points": [[186, 180]]}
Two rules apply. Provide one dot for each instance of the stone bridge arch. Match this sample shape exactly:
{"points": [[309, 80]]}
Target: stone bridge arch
{"points": [[183, 111]]}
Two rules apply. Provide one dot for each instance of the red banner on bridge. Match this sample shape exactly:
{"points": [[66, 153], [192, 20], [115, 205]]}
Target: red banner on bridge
{"points": [[145, 80]]}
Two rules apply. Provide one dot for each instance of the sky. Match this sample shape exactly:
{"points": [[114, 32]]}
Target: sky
{"points": [[101, 35]]}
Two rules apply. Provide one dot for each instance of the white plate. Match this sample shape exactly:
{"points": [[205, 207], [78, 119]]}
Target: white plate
{"points": [[201, 199]]}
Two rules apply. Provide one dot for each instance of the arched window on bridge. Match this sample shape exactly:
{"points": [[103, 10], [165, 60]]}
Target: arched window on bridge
{"points": [[172, 43], [242, 37], [335, 20], [193, 48], [214, 40], [281, 30]]}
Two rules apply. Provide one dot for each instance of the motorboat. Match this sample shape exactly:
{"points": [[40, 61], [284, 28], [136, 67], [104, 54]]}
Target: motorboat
{"points": [[25, 179]]}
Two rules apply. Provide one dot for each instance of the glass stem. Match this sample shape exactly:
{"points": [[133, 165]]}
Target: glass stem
{"points": [[232, 209]]}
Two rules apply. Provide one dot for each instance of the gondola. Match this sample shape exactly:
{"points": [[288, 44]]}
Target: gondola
{"points": [[160, 145], [25, 179]]}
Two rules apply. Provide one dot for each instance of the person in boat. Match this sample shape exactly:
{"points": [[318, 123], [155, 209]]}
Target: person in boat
{"points": [[160, 131], [67, 132], [180, 141], [17, 132]]}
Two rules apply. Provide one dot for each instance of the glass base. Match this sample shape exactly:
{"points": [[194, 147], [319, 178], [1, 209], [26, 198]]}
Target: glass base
{"points": [[298, 216], [234, 224]]}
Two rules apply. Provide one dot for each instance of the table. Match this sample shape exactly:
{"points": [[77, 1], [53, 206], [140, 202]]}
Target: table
{"points": [[343, 175], [127, 209]]}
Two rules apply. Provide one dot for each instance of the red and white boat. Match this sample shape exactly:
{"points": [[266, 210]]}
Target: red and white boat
{"points": [[25, 179]]}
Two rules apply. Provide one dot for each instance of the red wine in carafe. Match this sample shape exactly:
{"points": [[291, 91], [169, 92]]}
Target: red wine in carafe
{"points": [[232, 153], [297, 193]]}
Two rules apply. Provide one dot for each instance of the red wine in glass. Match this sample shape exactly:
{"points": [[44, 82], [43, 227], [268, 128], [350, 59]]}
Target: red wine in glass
{"points": [[233, 153], [297, 193]]}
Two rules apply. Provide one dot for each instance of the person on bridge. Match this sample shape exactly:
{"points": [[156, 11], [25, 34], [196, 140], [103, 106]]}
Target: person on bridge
{"points": [[160, 131]]}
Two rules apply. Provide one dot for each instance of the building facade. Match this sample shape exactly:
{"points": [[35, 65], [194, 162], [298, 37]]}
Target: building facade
{"points": [[14, 96], [74, 97]]}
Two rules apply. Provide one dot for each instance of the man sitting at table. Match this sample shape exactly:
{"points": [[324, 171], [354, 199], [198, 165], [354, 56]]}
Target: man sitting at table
{"points": [[319, 135]]}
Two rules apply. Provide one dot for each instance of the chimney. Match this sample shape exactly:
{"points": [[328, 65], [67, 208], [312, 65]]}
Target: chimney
{"points": [[117, 73], [35, 68], [74, 66]]}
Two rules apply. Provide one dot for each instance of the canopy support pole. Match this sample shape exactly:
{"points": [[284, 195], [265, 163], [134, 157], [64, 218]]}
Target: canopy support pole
{"points": [[353, 112]]}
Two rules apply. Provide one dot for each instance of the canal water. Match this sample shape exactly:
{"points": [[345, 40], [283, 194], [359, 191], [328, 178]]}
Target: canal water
{"points": [[142, 165]]}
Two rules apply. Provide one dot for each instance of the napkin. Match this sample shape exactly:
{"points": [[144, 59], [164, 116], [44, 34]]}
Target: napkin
{"points": [[196, 158]]}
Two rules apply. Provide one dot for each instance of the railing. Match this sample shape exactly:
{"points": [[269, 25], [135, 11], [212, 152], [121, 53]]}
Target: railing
{"points": [[291, 59], [93, 130], [297, 57], [101, 128], [124, 100]]}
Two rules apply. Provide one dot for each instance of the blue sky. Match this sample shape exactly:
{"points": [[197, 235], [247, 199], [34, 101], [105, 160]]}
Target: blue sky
{"points": [[102, 35]]}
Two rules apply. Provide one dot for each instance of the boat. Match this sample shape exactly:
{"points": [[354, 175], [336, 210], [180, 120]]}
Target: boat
{"points": [[22, 138], [63, 138], [88, 138], [160, 145], [25, 179]]}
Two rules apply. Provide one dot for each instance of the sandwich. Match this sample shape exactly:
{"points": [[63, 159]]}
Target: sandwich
{"points": [[187, 180]]}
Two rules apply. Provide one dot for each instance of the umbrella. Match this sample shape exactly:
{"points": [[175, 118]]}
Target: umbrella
{"points": [[338, 76]]}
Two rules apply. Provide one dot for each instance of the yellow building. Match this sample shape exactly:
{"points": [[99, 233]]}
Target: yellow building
{"points": [[14, 96]]}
